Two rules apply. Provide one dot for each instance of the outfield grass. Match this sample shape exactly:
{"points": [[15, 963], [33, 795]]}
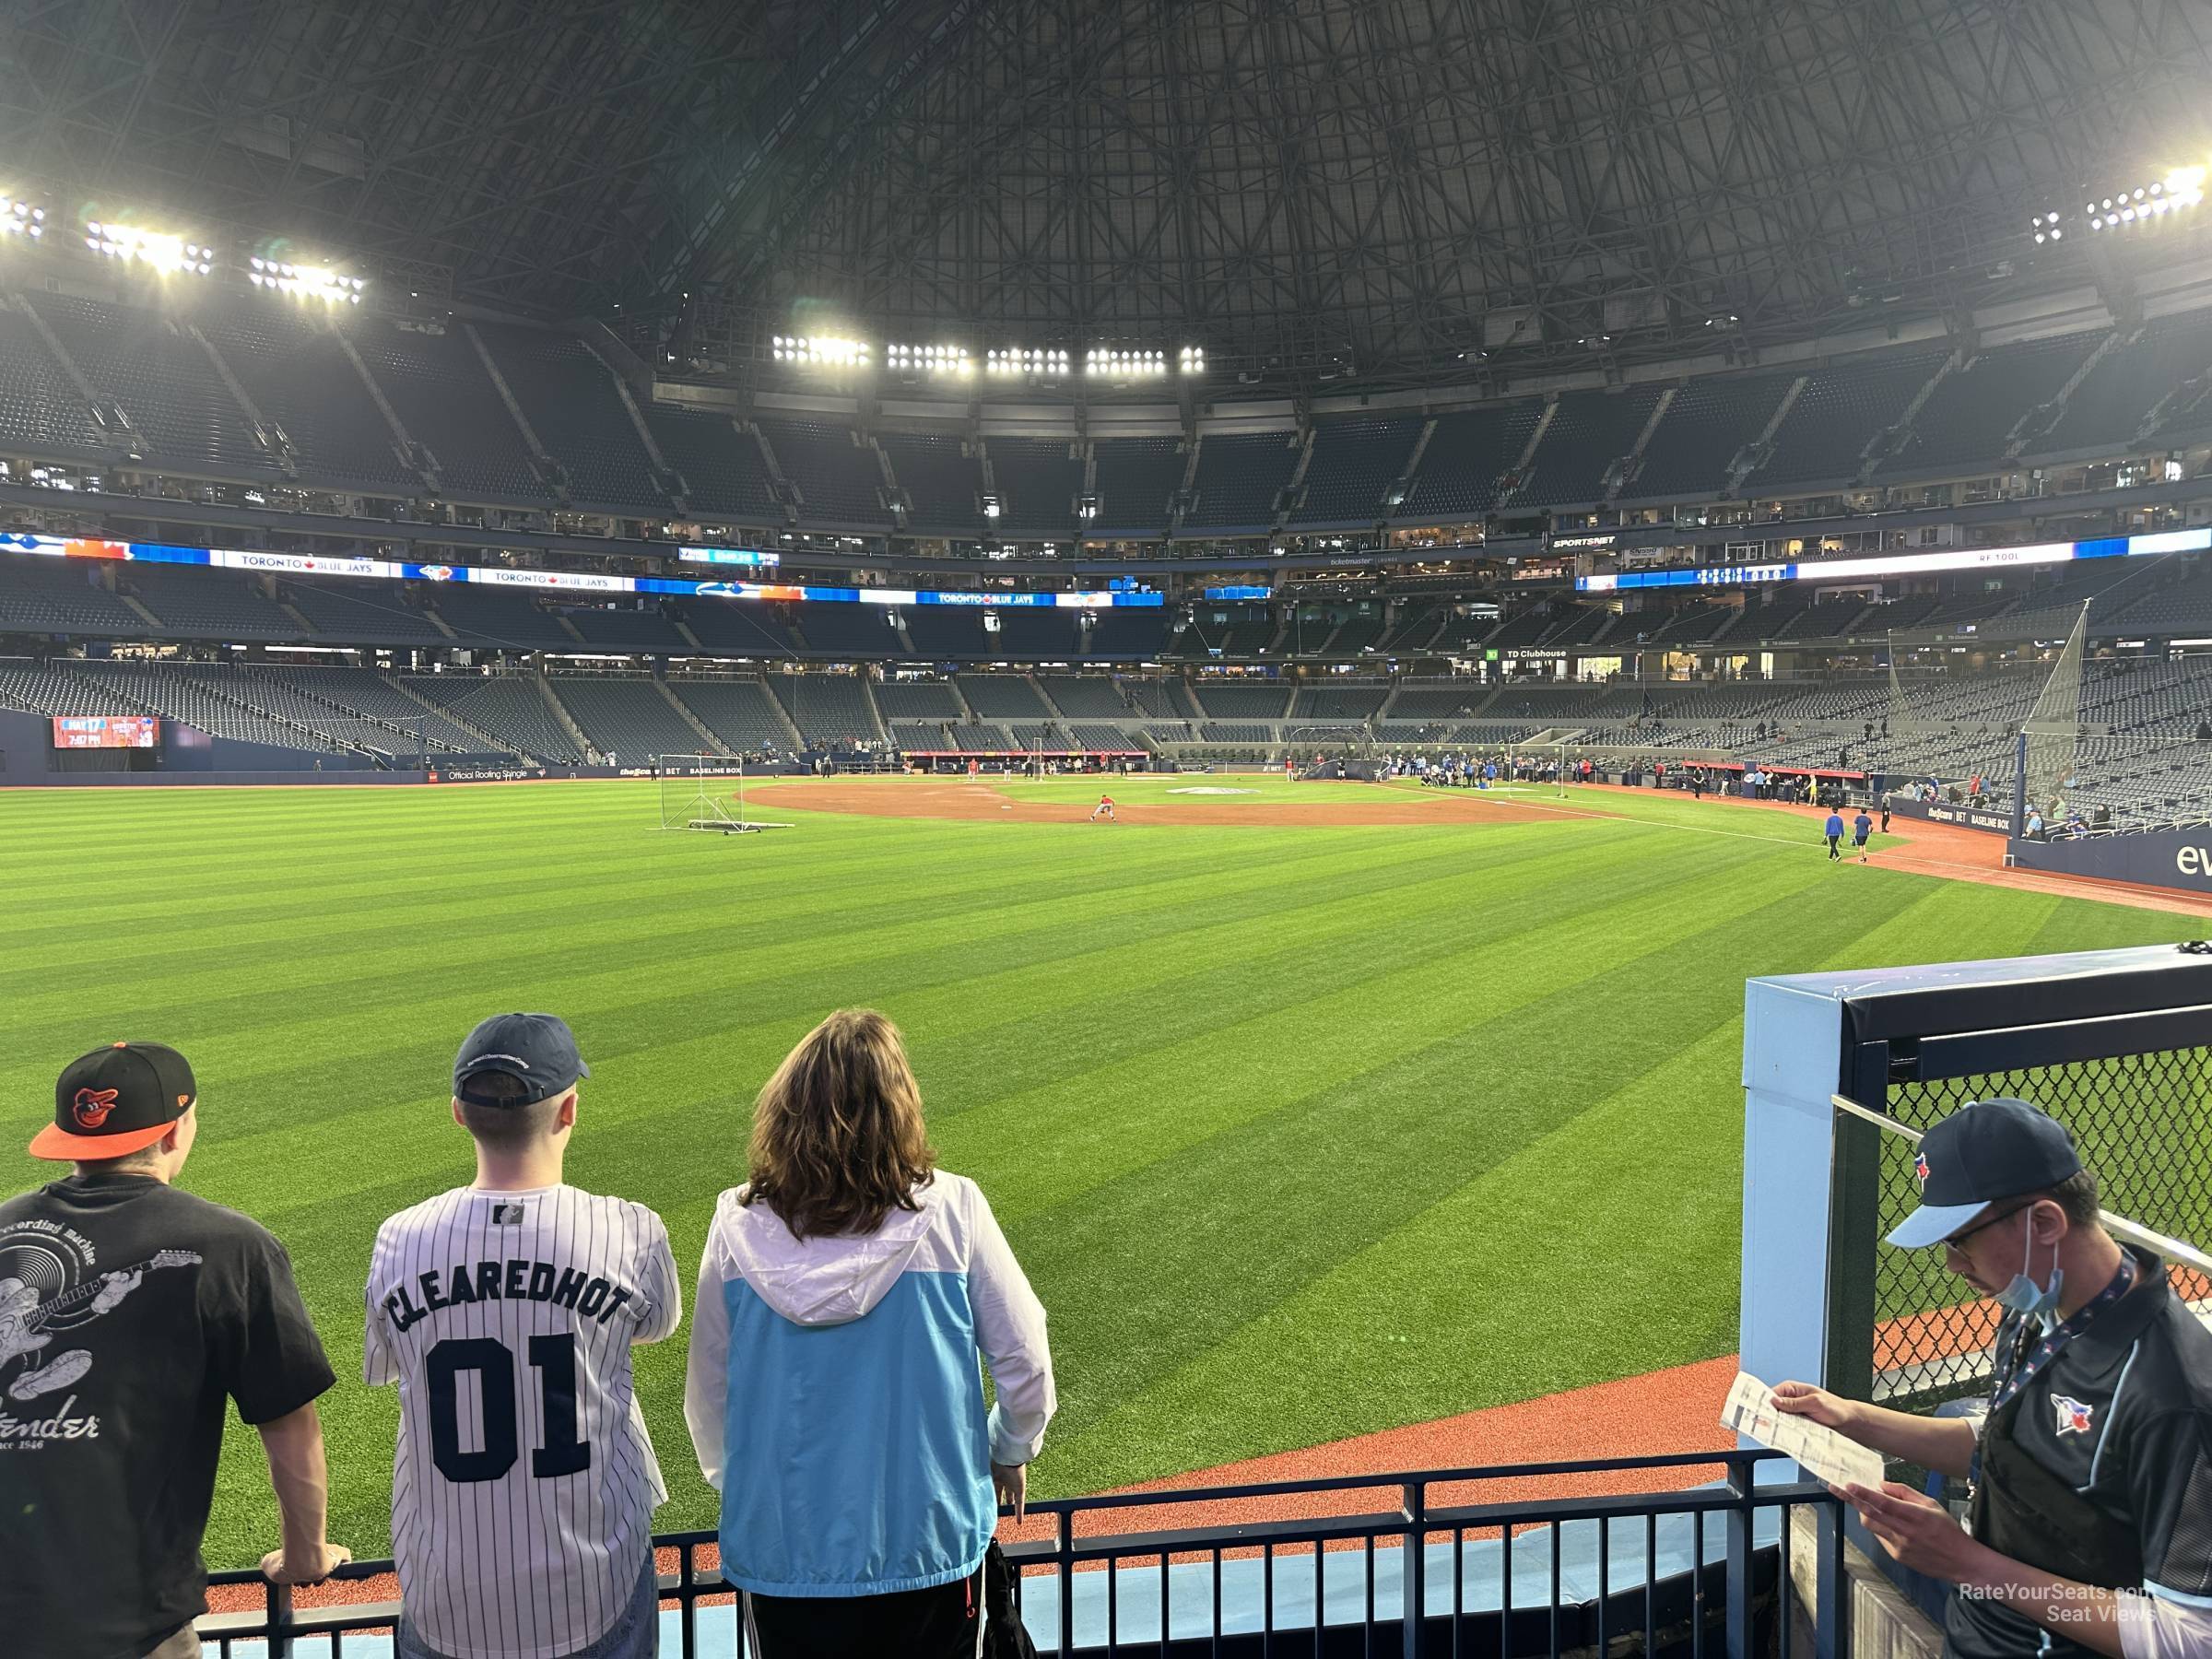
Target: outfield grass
{"points": [[1300, 1132]]}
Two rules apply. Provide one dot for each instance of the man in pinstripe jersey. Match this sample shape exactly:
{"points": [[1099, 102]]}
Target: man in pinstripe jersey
{"points": [[524, 1483]]}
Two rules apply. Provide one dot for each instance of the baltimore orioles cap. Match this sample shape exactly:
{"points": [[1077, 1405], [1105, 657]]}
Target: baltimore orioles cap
{"points": [[115, 1101], [1984, 1152], [537, 1050]]}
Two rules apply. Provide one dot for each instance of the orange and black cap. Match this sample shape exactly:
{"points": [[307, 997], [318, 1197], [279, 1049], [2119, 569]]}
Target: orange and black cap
{"points": [[115, 1101]]}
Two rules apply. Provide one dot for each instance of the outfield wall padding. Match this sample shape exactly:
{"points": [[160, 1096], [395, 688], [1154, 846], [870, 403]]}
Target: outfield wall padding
{"points": [[2166, 858], [1945, 812]]}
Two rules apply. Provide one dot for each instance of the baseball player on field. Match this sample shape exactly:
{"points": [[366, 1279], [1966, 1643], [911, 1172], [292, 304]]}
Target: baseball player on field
{"points": [[524, 1484], [1104, 809]]}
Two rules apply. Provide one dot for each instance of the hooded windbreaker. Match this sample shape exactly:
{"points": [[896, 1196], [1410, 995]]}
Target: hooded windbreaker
{"points": [[835, 1401]]}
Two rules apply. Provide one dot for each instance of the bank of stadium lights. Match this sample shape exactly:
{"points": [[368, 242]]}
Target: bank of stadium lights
{"points": [[2177, 192], [170, 255], [20, 218], [304, 282], [929, 360], [1043, 362], [1192, 360], [826, 349], [1124, 365]]}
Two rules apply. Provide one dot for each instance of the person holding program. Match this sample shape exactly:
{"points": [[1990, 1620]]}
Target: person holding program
{"points": [[2090, 1525]]}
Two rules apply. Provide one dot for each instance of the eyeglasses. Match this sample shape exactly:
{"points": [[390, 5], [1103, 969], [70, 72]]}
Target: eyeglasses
{"points": [[1957, 1240]]}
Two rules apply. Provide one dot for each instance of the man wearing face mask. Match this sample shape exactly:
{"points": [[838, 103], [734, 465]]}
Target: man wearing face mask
{"points": [[2090, 1525]]}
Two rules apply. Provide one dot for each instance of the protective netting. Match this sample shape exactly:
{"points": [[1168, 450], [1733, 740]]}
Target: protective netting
{"points": [[1903, 718], [2054, 727], [2144, 1123]]}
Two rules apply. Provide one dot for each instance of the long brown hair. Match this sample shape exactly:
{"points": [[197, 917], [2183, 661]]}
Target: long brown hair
{"points": [[837, 1142]]}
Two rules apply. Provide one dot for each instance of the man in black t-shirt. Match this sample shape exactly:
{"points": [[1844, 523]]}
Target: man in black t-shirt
{"points": [[129, 1313]]}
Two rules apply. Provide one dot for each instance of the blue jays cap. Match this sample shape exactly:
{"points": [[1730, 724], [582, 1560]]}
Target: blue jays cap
{"points": [[1985, 1152], [537, 1050]]}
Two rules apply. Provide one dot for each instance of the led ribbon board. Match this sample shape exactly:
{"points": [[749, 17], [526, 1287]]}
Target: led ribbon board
{"points": [[578, 581], [1904, 564]]}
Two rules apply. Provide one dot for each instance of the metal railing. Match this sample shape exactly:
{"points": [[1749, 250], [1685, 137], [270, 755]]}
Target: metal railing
{"points": [[1421, 1572]]}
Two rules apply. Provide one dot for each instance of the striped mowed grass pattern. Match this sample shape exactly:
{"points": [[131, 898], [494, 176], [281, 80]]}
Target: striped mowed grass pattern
{"points": [[1300, 1133]]}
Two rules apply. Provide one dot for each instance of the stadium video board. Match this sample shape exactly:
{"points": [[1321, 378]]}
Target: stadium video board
{"points": [[106, 731]]}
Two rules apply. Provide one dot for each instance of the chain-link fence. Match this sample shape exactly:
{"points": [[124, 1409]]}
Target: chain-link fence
{"points": [[2144, 1123]]}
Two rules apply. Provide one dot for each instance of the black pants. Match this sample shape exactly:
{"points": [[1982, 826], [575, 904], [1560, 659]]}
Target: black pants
{"points": [[943, 1623], [1834, 843]]}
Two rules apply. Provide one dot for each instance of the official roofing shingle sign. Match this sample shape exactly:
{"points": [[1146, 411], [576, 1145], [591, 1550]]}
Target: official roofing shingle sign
{"points": [[578, 581], [1902, 564]]}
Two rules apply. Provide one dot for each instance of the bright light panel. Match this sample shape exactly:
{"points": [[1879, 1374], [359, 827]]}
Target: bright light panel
{"points": [[2180, 190], [1124, 363], [169, 255], [1044, 362], [929, 360], [822, 349], [304, 282], [20, 218]]}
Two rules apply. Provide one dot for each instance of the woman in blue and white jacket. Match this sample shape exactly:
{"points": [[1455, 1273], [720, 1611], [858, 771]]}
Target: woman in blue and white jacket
{"points": [[834, 1396]]}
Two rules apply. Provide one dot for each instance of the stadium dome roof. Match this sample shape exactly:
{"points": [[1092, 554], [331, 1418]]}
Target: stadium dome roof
{"points": [[1371, 190]]}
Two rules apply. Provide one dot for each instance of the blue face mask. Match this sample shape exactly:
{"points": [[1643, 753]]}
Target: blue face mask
{"points": [[2024, 1296]]}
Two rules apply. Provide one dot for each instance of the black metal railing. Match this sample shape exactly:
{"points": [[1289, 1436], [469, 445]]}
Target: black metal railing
{"points": [[1426, 1570]]}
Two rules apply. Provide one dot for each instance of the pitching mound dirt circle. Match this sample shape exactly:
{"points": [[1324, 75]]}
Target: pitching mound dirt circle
{"points": [[924, 798]]}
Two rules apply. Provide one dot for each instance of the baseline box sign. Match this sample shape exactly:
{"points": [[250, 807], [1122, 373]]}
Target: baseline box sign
{"points": [[106, 731], [1943, 812]]}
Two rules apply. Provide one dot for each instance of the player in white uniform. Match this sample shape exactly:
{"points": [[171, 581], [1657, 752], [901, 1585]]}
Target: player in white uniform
{"points": [[524, 1484]]}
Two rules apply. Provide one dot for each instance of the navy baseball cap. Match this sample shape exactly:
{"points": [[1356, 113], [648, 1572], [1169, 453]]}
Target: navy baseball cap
{"points": [[1983, 1153], [537, 1050]]}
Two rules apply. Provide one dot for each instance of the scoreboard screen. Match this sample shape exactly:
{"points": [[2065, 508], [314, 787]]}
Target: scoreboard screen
{"points": [[106, 731]]}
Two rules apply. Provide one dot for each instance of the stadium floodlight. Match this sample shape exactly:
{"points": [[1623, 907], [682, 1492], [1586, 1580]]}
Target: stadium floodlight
{"points": [[20, 218], [829, 350], [1125, 362], [2181, 189], [929, 360], [1192, 360], [304, 282], [1043, 362], [169, 255]]}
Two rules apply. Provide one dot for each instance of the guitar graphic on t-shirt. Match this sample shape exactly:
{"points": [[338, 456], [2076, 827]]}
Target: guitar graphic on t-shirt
{"points": [[24, 1320]]}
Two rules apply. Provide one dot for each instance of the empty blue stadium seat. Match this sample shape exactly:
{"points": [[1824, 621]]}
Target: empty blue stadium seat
{"points": [[1136, 480], [944, 486], [1038, 481], [164, 381], [720, 463], [1354, 463], [1239, 478], [1589, 432], [1467, 455], [1710, 418], [568, 396], [1969, 419], [435, 381], [40, 409], [1822, 438], [300, 378], [838, 481]]}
